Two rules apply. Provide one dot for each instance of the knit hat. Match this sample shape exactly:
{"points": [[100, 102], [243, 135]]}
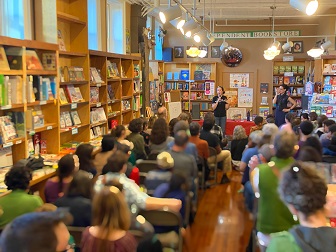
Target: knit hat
{"points": [[165, 160], [128, 143], [306, 127]]}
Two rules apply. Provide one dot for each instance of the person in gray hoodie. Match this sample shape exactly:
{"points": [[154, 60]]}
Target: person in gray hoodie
{"points": [[304, 192]]}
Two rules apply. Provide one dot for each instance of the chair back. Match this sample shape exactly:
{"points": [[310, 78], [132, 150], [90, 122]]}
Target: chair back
{"points": [[76, 233], [146, 165]]}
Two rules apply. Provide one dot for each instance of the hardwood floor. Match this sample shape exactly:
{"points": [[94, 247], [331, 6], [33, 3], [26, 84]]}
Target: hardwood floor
{"points": [[222, 222]]}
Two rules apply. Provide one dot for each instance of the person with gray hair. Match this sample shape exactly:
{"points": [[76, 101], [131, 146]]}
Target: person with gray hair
{"points": [[162, 113], [273, 215], [304, 192]]}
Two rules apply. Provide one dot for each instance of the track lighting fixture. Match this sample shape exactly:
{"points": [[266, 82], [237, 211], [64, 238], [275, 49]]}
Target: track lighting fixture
{"points": [[170, 14], [306, 6], [315, 52], [326, 45]]}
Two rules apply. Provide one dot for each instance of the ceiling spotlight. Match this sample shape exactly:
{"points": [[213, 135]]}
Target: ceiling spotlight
{"points": [[189, 33], [170, 14], [287, 46], [201, 36], [190, 25], [315, 52], [326, 45], [178, 23], [193, 51], [307, 6]]}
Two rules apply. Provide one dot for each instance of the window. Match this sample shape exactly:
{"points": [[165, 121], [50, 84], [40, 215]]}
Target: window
{"points": [[116, 26], [158, 41], [149, 25], [15, 19], [94, 25]]}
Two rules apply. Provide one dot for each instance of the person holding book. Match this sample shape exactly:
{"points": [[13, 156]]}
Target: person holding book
{"points": [[220, 105], [280, 101]]}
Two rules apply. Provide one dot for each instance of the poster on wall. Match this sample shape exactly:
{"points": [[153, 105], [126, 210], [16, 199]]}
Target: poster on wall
{"points": [[236, 113], [174, 109], [238, 80], [209, 88], [232, 98], [245, 97]]}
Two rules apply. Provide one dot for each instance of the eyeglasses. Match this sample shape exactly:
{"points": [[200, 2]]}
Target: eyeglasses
{"points": [[70, 247]]}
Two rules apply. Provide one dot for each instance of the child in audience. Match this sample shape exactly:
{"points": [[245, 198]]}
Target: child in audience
{"points": [[84, 153], [56, 186], [18, 201], [258, 120], [111, 222], [78, 199], [304, 192]]}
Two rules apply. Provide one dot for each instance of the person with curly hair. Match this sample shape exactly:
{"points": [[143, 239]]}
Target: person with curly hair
{"points": [[18, 201], [135, 126], [159, 138], [238, 144], [304, 192]]}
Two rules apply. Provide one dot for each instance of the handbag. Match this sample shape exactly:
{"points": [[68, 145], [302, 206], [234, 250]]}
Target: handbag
{"points": [[35, 162]]}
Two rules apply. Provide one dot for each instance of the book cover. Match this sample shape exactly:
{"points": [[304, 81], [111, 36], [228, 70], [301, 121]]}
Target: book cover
{"points": [[62, 96], [60, 41], [281, 80], [184, 75], [75, 118], [301, 69], [288, 68], [67, 119], [326, 68], [72, 94], [95, 76], [14, 57], [79, 94], [292, 80], [294, 69], [264, 88], [176, 75], [333, 68], [299, 80], [169, 75], [30, 89], [286, 80], [198, 75], [264, 111], [110, 93], [8, 131], [37, 87], [282, 69], [275, 69], [6, 157], [326, 80], [62, 121], [49, 61], [79, 73], [94, 94], [3, 59], [206, 75], [94, 118], [32, 60], [136, 71], [276, 80], [101, 114]]}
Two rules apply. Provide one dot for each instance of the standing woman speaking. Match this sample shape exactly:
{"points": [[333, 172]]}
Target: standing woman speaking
{"points": [[281, 100], [220, 105]]}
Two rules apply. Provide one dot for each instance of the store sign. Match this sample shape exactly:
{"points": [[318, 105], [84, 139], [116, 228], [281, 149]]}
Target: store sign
{"points": [[256, 34]]}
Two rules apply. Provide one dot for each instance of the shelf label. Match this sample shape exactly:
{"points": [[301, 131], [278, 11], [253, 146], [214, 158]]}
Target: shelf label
{"points": [[288, 58], [49, 127], [43, 102], [98, 104], [73, 105], [5, 145], [288, 74], [98, 84], [18, 142], [6, 107], [74, 131]]}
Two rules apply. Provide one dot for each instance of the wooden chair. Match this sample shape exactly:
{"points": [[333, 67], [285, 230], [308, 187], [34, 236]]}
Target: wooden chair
{"points": [[213, 165], [166, 218]]}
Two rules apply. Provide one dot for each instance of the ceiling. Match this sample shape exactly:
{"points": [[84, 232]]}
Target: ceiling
{"points": [[222, 10]]}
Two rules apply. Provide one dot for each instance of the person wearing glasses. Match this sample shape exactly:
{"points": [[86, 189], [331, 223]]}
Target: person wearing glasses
{"points": [[280, 101], [220, 105]]}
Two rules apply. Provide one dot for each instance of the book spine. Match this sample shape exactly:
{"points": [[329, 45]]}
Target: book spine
{"points": [[4, 92], [9, 92]]}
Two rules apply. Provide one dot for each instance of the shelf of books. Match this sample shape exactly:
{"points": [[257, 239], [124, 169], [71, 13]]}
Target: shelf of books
{"points": [[28, 99], [323, 100], [196, 81], [293, 74], [156, 82], [74, 72], [116, 88]]}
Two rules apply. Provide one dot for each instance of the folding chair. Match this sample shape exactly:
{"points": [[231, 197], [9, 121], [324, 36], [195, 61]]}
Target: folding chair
{"points": [[144, 167], [166, 218], [213, 165]]}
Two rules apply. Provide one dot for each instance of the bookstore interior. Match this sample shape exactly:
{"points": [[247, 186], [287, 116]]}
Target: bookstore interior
{"points": [[69, 76]]}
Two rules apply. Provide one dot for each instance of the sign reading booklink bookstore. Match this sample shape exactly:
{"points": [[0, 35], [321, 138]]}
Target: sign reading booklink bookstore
{"points": [[256, 34]]}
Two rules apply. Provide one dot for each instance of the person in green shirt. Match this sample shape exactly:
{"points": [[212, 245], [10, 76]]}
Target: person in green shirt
{"points": [[18, 201]]}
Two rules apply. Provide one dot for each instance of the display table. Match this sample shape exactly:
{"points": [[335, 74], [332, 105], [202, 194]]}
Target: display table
{"points": [[230, 124]]}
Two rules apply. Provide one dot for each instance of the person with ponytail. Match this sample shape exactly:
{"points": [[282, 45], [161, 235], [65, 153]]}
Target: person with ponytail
{"points": [[56, 186]]}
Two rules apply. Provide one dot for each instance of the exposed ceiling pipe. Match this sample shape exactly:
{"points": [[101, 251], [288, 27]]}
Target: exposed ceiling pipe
{"points": [[232, 17], [276, 37], [262, 25]]}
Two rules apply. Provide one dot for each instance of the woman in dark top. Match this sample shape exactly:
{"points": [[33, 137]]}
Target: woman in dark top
{"points": [[84, 153], [238, 144], [78, 199], [280, 100], [135, 126], [220, 105]]}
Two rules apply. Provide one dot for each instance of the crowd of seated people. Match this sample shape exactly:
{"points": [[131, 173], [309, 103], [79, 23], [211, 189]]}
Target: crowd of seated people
{"points": [[102, 193]]}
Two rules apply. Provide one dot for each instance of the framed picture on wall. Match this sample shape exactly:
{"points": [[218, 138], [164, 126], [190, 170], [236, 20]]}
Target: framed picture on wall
{"points": [[215, 52], [178, 51], [298, 46], [205, 48]]}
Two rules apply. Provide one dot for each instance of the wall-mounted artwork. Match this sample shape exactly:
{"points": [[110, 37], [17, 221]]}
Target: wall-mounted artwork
{"points": [[238, 80]]}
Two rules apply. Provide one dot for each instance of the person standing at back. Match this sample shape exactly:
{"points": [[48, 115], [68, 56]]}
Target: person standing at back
{"points": [[220, 105], [280, 100]]}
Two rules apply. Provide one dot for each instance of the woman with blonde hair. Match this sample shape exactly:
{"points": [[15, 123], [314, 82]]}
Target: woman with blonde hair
{"points": [[111, 222], [238, 143]]}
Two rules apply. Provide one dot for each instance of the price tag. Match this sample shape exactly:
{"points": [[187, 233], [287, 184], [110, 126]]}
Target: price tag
{"points": [[288, 58], [73, 105], [49, 127], [6, 107], [98, 84], [18, 142], [43, 102], [7, 145], [74, 131], [288, 74], [98, 104]]}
